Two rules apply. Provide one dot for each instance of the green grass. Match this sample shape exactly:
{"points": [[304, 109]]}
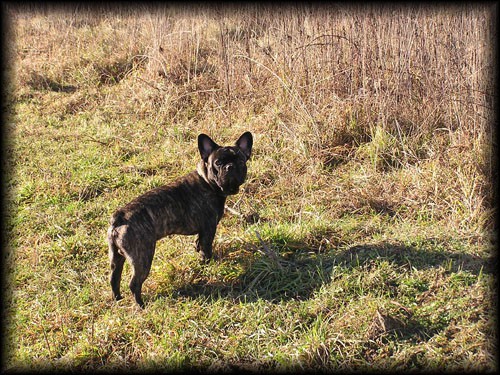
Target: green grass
{"points": [[363, 243]]}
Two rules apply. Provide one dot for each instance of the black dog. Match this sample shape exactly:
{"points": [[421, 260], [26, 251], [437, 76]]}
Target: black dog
{"points": [[192, 205]]}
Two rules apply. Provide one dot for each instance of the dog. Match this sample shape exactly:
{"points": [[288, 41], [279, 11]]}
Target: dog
{"points": [[194, 204]]}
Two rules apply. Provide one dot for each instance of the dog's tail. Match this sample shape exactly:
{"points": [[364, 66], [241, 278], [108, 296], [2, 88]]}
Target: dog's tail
{"points": [[111, 234], [115, 221]]}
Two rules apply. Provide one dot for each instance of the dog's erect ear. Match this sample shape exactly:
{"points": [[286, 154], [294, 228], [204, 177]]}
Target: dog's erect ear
{"points": [[206, 146], [245, 143]]}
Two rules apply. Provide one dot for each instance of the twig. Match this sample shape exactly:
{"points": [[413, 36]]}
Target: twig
{"points": [[195, 92], [233, 211], [47, 341], [96, 140], [271, 254], [330, 36]]}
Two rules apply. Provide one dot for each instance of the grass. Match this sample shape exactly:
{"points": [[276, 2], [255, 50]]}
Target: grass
{"points": [[365, 239]]}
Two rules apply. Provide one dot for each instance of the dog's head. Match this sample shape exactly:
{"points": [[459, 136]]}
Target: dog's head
{"points": [[225, 167]]}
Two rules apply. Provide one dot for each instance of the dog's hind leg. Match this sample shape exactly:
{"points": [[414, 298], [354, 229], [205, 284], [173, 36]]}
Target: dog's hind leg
{"points": [[116, 261], [141, 267]]}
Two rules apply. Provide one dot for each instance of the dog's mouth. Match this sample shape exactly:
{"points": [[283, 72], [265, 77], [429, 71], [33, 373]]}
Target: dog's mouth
{"points": [[228, 181], [229, 190]]}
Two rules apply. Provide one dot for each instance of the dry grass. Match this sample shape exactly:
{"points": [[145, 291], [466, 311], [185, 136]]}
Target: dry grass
{"points": [[323, 80], [371, 180]]}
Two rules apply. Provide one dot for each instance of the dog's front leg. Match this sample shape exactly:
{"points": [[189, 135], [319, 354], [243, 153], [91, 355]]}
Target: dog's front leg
{"points": [[204, 243]]}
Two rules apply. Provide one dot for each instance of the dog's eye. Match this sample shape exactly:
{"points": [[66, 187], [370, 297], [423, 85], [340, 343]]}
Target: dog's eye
{"points": [[218, 163]]}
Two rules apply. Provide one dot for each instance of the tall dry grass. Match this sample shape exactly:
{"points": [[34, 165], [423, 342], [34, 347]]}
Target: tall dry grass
{"points": [[400, 86]]}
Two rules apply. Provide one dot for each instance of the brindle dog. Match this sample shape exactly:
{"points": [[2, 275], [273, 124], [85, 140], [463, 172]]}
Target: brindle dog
{"points": [[194, 204]]}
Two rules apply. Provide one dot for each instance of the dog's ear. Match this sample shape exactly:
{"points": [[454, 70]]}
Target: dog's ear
{"points": [[206, 146], [245, 143]]}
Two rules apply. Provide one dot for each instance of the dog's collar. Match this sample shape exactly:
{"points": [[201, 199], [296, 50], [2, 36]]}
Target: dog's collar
{"points": [[201, 168], [202, 171]]}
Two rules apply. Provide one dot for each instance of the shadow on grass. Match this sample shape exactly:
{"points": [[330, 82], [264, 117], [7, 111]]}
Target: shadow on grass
{"points": [[303, 271], [40, 82]]}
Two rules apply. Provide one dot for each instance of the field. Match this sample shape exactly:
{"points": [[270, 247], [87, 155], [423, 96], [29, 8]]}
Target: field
{"points": [[362, 239]]}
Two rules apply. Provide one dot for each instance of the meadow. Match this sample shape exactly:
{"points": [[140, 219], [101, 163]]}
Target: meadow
{"points": [[363, 238]]}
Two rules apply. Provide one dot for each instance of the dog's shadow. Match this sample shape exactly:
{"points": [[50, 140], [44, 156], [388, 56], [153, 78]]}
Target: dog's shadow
{"points": [[302, 271]]}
